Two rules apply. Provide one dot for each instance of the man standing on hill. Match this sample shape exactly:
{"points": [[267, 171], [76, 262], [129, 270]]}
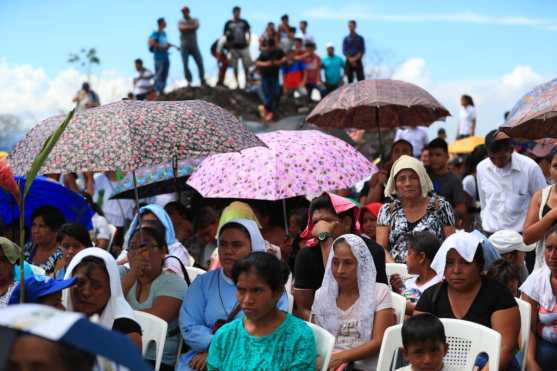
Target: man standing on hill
{"points": [[238, 35], [188, 45], [353, 48], [158, 45]]}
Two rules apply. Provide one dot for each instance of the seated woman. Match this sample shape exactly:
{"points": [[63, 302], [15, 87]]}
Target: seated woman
{"points": [[540, 290], [72, 238], [266, 338], [43, 250], [211, 298], [175, 248], [99, 291], [352, 306], [422, 247], [414, 208], [466, 294], [150, 289]]}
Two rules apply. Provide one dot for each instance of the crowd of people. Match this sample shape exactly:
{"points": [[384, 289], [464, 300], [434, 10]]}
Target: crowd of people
{"points": [[471, 247], [287, 64]]}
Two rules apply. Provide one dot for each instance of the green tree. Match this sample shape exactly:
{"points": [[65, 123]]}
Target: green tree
{"points": [[85, 59]]}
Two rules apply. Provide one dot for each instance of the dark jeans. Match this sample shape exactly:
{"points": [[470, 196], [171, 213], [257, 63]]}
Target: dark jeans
{"points": [[546, 354], [358, 69], [271, 92], [311, 87], [330, 87], [161, 74], [192, 49]]}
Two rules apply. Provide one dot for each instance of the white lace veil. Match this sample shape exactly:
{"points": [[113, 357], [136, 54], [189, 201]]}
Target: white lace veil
{"points": [[325, 308]]}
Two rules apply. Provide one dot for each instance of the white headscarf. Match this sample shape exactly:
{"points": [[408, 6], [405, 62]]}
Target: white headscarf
{"points": [[325, 305], [117, 306], [256, 239], [538, 287], [464, 243], [404, 163]]}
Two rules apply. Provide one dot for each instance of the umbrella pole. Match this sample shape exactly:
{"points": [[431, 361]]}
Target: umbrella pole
{"points": [[285, 216], [136, 197], [175, 174], [379, 138]]}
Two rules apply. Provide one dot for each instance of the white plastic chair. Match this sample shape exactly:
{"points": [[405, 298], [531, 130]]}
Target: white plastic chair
{"points": [[399, 306], [153, 329], [193, 272], [525, 317], [396, 268], [466, 340], [324, 343], [290, 302]]}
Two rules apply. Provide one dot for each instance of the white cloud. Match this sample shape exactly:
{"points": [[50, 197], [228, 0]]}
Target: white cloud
{"points": [[492, 97], [365, 13], [31, 94]]}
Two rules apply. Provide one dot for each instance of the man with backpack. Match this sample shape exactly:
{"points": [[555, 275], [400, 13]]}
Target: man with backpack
{"points": [[238, 35], [159, 45]]}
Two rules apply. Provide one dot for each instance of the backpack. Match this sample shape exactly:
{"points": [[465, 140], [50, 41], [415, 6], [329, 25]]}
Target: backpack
{"points": [[152, 48]]}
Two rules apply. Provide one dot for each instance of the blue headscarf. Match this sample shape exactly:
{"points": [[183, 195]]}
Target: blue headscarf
{"points": [[161, 215]]}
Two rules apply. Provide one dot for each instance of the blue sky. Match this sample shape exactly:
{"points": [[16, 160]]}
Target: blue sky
{"points": [[445, 46]]}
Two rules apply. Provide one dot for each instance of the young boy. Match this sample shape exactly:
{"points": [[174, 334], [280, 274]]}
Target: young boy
{"points": [[512, 248], [445, 183], [422, 247], [425, 344]]}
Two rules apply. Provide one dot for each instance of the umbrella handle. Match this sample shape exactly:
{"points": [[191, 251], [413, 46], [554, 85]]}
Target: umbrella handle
{"points": [[285, 217], [136, 197]]}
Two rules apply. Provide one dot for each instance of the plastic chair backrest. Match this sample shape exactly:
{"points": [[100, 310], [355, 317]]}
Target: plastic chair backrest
{"points": [[290, 302], [525, 318], [399, 306], [396, 268], [193, 272], [324, 343], [154, 329], [466, 340]]}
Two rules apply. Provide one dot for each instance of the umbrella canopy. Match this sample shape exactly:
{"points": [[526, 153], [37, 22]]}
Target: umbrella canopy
{"points": [[72, 329], [466, 145], [43, 192], [294, 164], [534, 116], [156, 180], [127, 135], [382, 103]]}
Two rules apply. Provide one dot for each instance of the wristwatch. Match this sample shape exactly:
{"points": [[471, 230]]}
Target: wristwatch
{"points": [[323, 236]]}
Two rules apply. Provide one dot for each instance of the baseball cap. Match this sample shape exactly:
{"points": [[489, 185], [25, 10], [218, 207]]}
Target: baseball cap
{"points": [[37, 287], [506, 241]]}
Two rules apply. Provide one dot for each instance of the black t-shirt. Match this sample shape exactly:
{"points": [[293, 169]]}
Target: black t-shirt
{"points": [[309, 269], [491, 298], [126, 326], [235, 31], [272, 55], [448, 186]]}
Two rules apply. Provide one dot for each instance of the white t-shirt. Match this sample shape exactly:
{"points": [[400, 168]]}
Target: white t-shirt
{"points": [[348, 336], [465, 120], [416, 136], [469, 186], [101, 228], [115, 211], [413, 292]]}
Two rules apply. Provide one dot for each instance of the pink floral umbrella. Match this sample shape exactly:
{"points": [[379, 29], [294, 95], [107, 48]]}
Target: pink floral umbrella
{"points": [[295, 163]]}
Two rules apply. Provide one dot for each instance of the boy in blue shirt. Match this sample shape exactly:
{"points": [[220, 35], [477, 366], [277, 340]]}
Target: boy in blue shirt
{"points": [[158, 45], [333, 67]]}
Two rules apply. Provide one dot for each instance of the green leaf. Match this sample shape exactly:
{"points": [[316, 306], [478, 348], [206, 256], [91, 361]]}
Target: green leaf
{"points": [[43, 155]]}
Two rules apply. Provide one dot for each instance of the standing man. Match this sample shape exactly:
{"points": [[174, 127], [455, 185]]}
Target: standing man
{"points": [[506, 183], [158, 45], [333, 66], [268, 64], [312, 63], [143, 83], [188, 45], [238, 35], [305, 36], [353, 48]]}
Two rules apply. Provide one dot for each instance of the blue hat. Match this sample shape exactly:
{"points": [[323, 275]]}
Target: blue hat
{"points": [[37, 287]]}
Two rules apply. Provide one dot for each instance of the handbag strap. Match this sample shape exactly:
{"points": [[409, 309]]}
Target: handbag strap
{"points": [[182, 268]]}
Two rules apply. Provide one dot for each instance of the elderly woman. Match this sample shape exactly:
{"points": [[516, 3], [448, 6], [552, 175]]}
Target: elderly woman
{"points": [[72, 238], [43, 250], [150, 289], [466, 294], [9, 255], [266, 338], [413, 209], [540, 290], [351, 305], [211, 299], [99, 292]]}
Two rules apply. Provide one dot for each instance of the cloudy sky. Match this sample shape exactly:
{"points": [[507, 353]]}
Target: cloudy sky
{"points": [[493, 50]]}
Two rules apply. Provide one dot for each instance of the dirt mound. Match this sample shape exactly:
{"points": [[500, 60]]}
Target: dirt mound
{"points": [[240, 102]]}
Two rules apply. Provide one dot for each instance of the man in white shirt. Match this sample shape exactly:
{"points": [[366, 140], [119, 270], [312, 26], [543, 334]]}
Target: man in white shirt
{"points": [[506, 183], [117, 212], [143, 84], [416, 136]]}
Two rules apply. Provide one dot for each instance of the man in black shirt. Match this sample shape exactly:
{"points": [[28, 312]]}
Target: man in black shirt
{"points": [[238, 37], [326, 224], [268, 64]]}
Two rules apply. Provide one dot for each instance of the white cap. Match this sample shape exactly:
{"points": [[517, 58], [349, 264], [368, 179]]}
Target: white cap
{"points": [[506, 241], [329, 45]]}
